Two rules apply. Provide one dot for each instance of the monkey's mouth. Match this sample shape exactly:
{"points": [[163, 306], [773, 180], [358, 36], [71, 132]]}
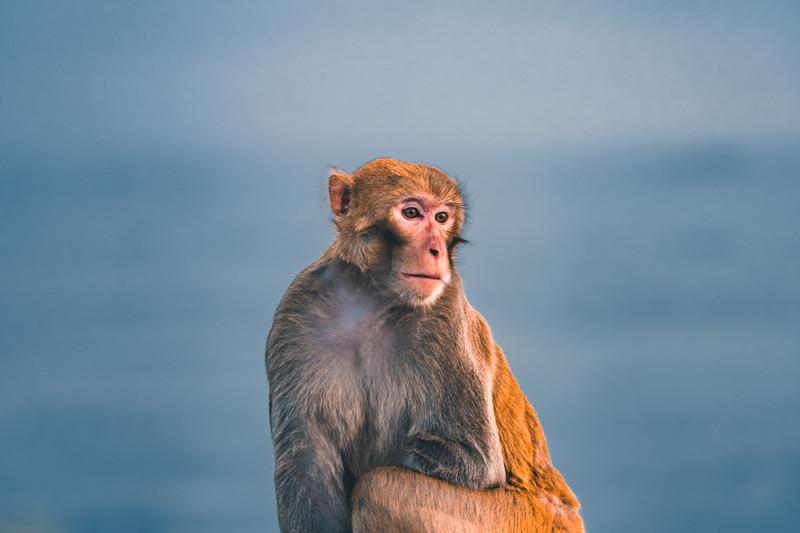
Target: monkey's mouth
{"points": [[423, 276]]}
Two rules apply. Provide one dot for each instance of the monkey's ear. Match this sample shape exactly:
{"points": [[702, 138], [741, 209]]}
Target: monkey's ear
{"points": [[340, 186]]}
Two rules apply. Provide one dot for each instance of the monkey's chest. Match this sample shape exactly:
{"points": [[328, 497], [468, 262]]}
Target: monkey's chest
{"points": [[369, 389]]}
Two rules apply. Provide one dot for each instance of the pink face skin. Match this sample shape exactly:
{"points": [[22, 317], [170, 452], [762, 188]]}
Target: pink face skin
{"points": [[423, 266]]}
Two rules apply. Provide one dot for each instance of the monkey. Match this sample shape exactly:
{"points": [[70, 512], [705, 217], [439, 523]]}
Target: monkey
{"points": [[391, 407]]}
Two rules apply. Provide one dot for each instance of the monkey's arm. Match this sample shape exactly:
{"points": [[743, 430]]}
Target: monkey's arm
{"points": [[308, 469], [308, 479], [457, 439], [308, 474], [458, 459], [536, 499]]}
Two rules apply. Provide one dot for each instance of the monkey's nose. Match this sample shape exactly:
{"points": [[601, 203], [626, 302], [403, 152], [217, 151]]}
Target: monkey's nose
{"points": [[434, 252]]}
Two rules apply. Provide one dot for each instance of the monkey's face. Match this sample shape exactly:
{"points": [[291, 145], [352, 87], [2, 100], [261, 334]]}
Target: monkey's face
{"points": [[421, 260], [399, 223]]}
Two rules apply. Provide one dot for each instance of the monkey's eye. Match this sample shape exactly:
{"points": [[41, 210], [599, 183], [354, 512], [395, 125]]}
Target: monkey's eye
{"points": [[441, 217], [411, 212]]}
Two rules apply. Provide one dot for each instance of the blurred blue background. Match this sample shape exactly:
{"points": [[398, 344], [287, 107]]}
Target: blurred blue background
{"points": [[633, 175]]}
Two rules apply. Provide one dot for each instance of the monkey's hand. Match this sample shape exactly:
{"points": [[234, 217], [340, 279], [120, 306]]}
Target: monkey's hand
{"points": [[448, 459]]}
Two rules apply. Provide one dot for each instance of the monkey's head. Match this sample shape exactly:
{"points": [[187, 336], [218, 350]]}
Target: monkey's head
{"points": [[399, 223]]}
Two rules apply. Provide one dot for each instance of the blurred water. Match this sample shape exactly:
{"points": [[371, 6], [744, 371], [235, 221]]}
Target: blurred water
{"points": [[648, 300]]}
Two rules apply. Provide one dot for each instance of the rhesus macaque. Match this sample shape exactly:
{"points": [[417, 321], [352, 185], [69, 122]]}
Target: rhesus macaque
{"points": [[391, 407]]}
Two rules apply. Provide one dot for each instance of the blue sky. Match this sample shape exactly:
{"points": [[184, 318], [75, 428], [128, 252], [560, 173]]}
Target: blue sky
{"points": [[527, 75]]}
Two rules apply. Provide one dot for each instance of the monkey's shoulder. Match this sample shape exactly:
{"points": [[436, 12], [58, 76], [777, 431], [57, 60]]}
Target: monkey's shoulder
{"points": [[479, 336], [329, 312], [309, 292]]}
